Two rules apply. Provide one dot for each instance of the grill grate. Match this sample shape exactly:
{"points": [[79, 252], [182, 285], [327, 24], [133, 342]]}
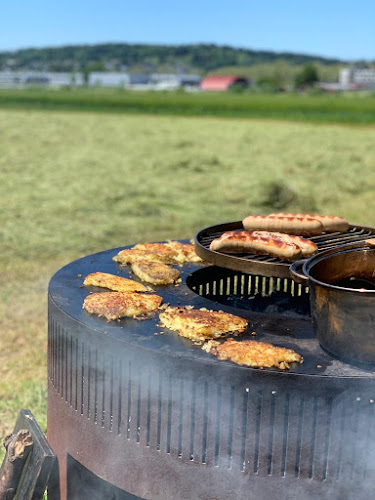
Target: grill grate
{"points": [[265, 265]]}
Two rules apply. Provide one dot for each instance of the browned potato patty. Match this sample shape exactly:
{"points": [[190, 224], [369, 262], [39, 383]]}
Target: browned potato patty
{"points": [[161, 251], [155, 272], [172, 252], [253, 353], [185, 252], [131, 255], [113, 305], [199, 325], [113, 282]]}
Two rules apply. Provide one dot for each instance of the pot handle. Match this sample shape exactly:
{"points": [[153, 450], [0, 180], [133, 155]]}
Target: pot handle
{"points": [[297, 274]]}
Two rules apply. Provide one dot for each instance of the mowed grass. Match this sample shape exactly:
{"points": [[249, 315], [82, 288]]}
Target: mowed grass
{"points": [[286, 106], [72, 183]]}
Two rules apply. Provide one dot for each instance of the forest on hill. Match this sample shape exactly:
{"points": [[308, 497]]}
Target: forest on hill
{"points": [[200, 58]]}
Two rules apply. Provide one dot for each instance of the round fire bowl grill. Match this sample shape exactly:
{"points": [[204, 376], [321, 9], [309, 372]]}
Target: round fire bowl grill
{"points": [[137, 412], [265, 265]]}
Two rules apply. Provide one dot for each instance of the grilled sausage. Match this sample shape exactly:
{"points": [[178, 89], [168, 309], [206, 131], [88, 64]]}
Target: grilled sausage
{"points": [[299, 225], [307, 247], [331, 223], [253, 242]]}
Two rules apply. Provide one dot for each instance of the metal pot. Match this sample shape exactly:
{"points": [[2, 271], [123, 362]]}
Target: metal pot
{"points": [[342, 299]]}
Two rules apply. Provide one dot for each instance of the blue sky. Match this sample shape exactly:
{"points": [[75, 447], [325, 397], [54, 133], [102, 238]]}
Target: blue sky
{"points": [[342, 29]]}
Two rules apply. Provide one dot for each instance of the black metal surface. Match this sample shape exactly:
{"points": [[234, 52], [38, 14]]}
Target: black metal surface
{"points": [[265, 265], [160, 419], [296, 333], [84, 485]]}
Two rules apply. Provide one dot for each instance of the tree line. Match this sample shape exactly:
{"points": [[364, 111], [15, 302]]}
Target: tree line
{"points": [[200, 58]]}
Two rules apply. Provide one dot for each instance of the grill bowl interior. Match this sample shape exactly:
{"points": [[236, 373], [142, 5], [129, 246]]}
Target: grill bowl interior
{"points": [[268, 295]]}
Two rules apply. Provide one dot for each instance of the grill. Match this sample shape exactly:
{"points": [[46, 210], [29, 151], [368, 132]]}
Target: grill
{"points": [[133, 415], [265, 265]]}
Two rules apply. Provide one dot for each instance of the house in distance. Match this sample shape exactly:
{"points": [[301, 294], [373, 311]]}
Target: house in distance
{"points": [[222, 83]]}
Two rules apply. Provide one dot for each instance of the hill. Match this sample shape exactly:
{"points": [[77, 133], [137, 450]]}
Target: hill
{"points": [[200, 58]]}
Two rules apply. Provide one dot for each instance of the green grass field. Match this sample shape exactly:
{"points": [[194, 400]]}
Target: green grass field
{"points": [[72, 183], [289, 106]]}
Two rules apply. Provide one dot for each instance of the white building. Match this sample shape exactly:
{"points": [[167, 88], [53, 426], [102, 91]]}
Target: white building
{"points": [[29, 78], [357, 78], [110, 79], [139, 81]]}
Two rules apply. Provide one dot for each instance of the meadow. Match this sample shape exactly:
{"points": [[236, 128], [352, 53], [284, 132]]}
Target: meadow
{"points": [[319, 108], [73, 183]]}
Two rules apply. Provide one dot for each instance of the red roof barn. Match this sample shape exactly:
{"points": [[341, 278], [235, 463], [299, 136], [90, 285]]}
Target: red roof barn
{"points": [[222, 82]]}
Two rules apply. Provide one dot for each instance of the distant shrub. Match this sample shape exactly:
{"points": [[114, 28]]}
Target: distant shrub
{"points": [[121, 86], [314, 91], [279, 196], [307, 76], [269, 84], [238, 88]]}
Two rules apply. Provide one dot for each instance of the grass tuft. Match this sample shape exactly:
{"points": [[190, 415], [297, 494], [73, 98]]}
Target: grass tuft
{"points": [[278, 196]]}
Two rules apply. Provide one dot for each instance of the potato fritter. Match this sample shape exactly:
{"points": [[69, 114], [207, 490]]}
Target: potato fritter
{"points": [[155, 273], [131, 255], [116, 283], [201, 324], [114, 305], [185, 252], [172, 252], [161, 252], [253, 353]]}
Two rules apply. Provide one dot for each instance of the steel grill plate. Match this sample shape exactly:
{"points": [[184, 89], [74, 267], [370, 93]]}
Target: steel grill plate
{"points": [[265, 265], [158, 418], [290, 331]]}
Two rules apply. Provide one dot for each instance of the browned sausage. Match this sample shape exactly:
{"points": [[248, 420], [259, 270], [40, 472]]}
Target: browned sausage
{"points": [[307, 247], [304, 226], [331, 223], [247, 241]]}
